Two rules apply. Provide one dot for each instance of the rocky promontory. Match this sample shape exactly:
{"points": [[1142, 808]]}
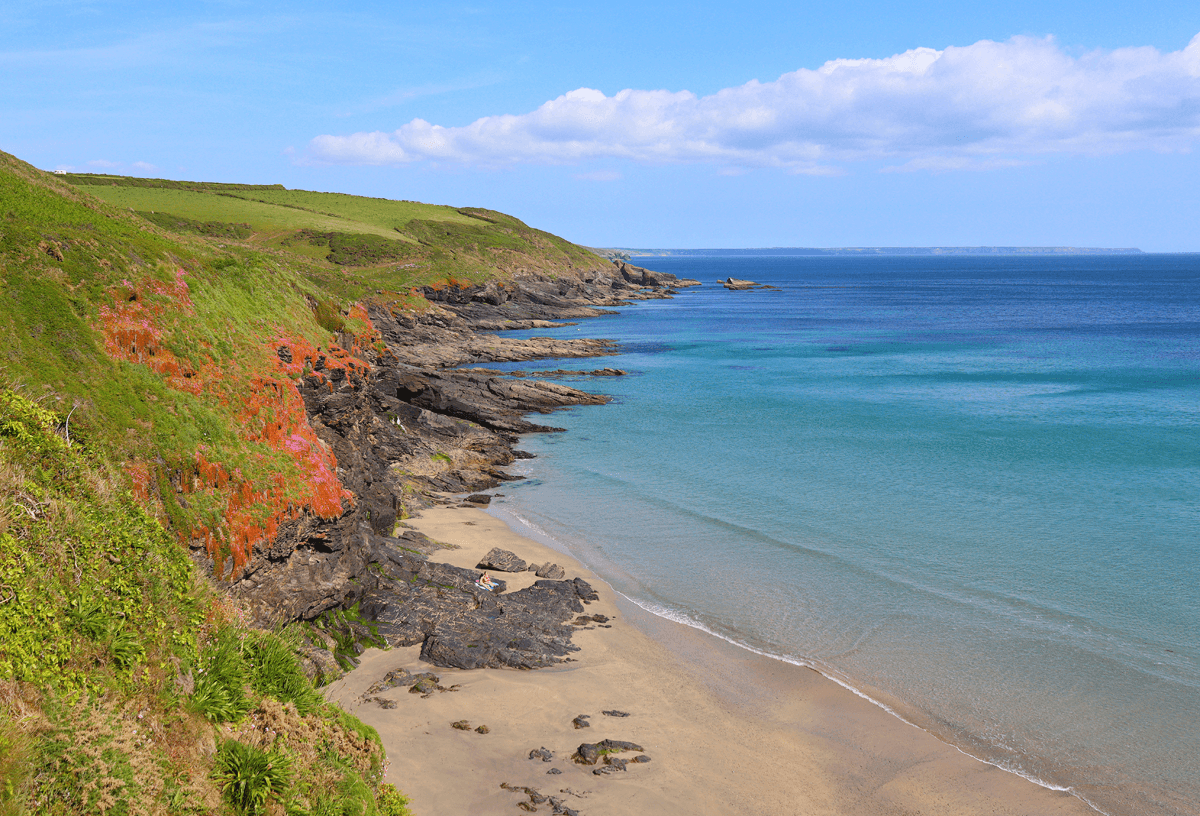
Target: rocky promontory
{"points": [[418, 425]]}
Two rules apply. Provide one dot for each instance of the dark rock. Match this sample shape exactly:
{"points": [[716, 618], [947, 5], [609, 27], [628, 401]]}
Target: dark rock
{"points": [[462, 626], [394, 678], [607, 769], [461, 725], [425, 684], [480, 498], [483, 729], [616, 762], [543, 753], [598, 618], [552, 571], [589, 753], [615, 713], [620, 745], [402, 424], [640, 758], [584, 590], [501, 561], [581, 722], [554, 771]]}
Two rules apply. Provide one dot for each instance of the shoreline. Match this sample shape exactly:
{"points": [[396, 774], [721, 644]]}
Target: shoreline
{"points": [[727, 729]]}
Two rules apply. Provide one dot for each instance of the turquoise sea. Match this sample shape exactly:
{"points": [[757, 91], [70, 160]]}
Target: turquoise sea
{"points": [[967, 487]]}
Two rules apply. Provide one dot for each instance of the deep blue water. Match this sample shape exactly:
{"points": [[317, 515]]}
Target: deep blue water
{"points": [[968, 487]]}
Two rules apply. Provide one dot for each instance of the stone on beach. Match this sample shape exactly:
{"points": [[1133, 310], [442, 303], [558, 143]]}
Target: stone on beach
{"points": [[501, 561], [548, 570]]}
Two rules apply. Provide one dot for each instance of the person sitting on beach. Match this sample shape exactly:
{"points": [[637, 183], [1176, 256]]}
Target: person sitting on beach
{"points": [[486, 582]]}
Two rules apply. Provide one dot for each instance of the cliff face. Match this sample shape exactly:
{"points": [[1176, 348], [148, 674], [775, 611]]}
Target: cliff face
{"points": [[406, 430]]}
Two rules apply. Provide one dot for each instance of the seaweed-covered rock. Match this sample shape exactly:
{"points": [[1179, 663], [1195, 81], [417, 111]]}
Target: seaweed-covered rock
{"points": [[589, 753]]}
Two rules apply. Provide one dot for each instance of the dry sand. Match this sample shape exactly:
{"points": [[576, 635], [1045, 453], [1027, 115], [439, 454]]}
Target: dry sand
{"points": [[728, 731]]}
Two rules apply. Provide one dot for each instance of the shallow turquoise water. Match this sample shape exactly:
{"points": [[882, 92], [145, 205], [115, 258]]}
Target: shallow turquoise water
{"points": [[968, 487]]}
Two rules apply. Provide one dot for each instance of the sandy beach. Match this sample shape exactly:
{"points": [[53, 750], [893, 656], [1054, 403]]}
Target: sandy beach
{"points": [[726, 730]]}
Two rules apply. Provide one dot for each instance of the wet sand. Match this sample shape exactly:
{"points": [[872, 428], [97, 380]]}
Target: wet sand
{"points": [[727, 731]]}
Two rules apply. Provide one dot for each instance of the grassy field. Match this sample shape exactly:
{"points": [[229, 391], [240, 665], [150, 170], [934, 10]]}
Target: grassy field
{"points": [[262, 217], [430, 241]]}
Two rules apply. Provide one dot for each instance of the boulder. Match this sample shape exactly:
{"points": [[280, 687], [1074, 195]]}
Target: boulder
{"points": [[501, 561], [551, 571]]}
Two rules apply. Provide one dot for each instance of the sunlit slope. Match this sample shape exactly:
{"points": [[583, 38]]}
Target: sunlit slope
{"points": [[470, 243], [262, 217], [145, 411]]}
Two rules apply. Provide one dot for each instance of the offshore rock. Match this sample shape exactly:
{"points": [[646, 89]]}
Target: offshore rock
{"points": [[733, 284]]}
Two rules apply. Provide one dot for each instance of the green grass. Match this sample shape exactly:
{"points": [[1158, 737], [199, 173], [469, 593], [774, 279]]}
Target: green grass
{"points": [[433, 242], [202, 206], [379, 212], [103, 622]]}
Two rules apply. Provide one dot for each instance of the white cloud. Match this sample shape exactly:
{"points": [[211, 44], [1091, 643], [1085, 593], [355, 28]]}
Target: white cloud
{"points": [[985, 105], [144, 167], [104, 163]]}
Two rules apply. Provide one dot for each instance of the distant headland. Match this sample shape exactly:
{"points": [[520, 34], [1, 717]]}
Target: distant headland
{"points": [[628, 252]]}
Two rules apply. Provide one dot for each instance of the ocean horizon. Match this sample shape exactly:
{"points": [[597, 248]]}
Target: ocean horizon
{"points": [[963, 486]]}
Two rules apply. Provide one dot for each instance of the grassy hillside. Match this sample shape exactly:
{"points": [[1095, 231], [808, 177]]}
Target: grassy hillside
{"points": [[468, 243], [144, 410]]}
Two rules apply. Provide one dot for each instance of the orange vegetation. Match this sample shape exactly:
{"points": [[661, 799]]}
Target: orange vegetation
{"points": [[269, 412], [130, 330]]}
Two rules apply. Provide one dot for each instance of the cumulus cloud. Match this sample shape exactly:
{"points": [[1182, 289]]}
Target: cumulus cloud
{"points": [[984, 105]]}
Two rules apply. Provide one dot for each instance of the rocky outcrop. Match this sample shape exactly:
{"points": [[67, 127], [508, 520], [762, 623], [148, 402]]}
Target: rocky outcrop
{"points": [[644, 277], [733, 284], [460, 625], [502, 560], [412, 427]]}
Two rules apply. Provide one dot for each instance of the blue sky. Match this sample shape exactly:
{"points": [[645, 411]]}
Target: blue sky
{"points": [[851, 123]]}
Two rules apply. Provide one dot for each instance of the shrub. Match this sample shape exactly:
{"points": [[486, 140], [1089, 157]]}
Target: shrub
{"points": [[275, 671], [220, 694], [392, 802], [87, 614], [125, 648], [250, 777], [329, 316]]}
